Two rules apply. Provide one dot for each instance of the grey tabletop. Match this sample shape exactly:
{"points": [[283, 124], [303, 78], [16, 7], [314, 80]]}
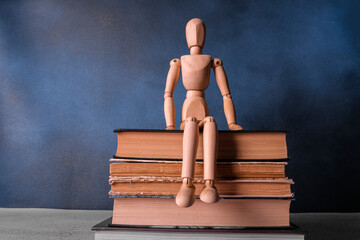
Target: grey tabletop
{"points": [[51, 224]]}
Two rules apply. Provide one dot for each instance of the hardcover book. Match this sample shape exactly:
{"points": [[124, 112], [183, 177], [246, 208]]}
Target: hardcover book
{"points": [[105, 230], [162, 144], [224, 170], [169, 186]]}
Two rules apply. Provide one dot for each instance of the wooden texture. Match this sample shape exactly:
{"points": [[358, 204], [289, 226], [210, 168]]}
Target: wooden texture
{"points": [[231, 145], [195, 71], [223, 170], [210, 147], [195, 32], [223, 85], [227, 212], [195, 76], [169, 186], [190, 145], [169, 105]]}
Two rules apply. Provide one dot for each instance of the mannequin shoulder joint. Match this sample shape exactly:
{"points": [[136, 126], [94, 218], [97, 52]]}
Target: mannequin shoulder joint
{"points": [[216, 62], [175, 62]]}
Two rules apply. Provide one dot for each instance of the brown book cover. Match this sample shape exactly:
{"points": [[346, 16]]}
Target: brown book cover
{"points": [[226, 212], [169, 186], [232, 145], [224, 170]]}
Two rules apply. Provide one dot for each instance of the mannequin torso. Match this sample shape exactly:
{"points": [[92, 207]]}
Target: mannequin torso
{"points": [[195, 74]]}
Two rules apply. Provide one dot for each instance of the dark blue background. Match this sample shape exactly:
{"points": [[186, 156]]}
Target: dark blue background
{"points": [[72, 71]]}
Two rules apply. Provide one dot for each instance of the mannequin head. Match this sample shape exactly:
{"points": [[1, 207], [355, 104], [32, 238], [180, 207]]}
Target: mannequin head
{"points": [[195, 35]]}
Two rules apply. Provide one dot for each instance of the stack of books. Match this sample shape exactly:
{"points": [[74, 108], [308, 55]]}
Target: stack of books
{"points": [[251, 180]]}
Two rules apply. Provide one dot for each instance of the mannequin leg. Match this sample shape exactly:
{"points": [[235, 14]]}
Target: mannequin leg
{"points": [[209, 194], [186, 194]]}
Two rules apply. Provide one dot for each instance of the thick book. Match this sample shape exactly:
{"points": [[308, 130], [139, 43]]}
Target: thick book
{"points": [[224, 170], [255, 212], [105, 230], [169, 186], [232, 145]]}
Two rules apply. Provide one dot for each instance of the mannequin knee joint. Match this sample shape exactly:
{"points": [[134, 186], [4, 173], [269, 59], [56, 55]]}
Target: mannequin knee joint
{"points": [[209, 119], [191, 119]]}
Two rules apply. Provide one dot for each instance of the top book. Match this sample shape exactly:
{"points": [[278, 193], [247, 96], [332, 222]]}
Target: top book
{"points": [[232, 145]]}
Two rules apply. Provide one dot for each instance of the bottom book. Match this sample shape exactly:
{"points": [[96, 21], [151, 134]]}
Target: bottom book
{"points": [[108, 231], [256, 212]]}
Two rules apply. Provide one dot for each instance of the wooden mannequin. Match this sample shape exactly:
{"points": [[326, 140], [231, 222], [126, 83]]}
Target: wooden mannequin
{"points": [[195, 113]]}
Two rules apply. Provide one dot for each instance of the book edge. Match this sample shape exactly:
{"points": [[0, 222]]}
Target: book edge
{"points": [[180, 131], [119, 158], [107, 225], [287, 197]]}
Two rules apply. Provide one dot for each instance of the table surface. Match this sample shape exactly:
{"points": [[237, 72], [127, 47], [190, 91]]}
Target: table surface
{"points": [[25, 223]]}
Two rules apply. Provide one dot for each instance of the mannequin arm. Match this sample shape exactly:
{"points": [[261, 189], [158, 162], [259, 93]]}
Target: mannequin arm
{"points": [[222, 82], [169, 105]]}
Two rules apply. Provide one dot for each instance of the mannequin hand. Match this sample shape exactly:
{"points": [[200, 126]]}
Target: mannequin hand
{"points": [[170, 128], [235, 127]]}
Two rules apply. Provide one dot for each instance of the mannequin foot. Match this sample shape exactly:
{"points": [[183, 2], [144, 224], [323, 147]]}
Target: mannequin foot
{"points": [[209, 194], [235, 127], [186, 195]]}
